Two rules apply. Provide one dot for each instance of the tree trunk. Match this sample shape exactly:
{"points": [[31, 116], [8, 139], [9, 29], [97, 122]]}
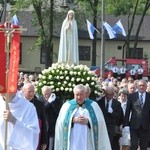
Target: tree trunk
{"points": [[130, 27], [147, 5]]}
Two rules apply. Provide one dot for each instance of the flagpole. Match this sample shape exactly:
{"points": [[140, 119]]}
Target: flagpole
{"points": [[102, 39]]}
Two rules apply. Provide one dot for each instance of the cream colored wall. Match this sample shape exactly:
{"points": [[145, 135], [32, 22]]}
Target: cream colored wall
{"points": [[30, 60]]}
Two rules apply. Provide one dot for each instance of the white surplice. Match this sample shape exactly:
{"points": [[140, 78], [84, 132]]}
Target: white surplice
{"points": [[81, 137], [24, 134]]}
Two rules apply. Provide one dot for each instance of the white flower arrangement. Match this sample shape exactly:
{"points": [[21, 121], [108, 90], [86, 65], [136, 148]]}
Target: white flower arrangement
{"points": [[62, 79]]}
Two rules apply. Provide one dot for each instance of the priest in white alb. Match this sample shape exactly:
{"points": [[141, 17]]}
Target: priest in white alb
{"points": [[23, 126], [81, 125]]}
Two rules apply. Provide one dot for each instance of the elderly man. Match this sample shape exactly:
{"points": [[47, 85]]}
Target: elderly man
{"points": [[113, 115], [52, 108], [81, 125], [29, 94], [23, 128], [139, 120]]}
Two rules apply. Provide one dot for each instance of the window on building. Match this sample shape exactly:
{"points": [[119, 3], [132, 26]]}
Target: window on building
{"points": [[84, 53], [42, 56], [136, 53], [69, 1]]}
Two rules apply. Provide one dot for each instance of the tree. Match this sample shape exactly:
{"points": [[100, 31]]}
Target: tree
{"points": [[91, 6], [3, 5], [131, 9], [43, 12]]}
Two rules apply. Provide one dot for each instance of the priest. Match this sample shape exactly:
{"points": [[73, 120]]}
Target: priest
{"points": [[23, 127], [81, 125]]}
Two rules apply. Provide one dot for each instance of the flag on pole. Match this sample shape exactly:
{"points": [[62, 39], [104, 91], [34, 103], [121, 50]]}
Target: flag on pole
{"points": [[91, 29], [118, 28], [14, 63], [14, 20], [3, 61], [110, 31]]}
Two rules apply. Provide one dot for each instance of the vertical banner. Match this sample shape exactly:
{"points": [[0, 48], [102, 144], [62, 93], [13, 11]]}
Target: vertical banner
{"points": [[14, 62], [2, 60]]}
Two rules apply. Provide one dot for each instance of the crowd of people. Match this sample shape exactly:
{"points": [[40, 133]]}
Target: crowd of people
{"points": [[118, 119]]}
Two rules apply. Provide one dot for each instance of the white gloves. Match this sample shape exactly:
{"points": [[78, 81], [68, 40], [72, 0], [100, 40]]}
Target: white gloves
{"points": [[110, 110], [127, 129], [52, 98]]}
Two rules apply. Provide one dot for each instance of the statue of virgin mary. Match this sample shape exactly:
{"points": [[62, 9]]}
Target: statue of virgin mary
{"points": [[68, 47]]}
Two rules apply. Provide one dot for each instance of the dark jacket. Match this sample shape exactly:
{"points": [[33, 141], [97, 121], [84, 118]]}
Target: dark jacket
{"points": [[42, 119], [139, 116], [114, 118], [52, 110]]}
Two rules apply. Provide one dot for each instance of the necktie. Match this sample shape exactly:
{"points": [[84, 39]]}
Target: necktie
{"points": [[107, 105], [141, 100]]}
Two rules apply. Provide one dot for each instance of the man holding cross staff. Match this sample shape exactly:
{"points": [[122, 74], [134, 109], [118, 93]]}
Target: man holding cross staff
{"points": [[19, 125]]}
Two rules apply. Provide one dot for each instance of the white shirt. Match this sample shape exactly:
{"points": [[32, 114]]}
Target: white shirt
{"points": [[132, 71], [123, 70], [140, 71], [115, 69]]}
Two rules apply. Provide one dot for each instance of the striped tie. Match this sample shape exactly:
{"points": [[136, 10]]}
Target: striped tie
{"points": [[141, 100]]}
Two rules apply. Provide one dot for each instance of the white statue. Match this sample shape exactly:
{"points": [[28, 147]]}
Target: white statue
{"points": [[68, 47]]}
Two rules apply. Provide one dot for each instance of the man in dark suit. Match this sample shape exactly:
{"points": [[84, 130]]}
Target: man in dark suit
{"points": [[137, 116], [113, 115], [52, 107]]}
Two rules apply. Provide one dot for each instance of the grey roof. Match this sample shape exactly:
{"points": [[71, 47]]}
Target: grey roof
{"points": [[26, 17]]}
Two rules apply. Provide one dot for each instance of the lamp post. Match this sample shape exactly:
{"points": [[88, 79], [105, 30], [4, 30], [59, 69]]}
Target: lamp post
{"points": [[102, 39]]}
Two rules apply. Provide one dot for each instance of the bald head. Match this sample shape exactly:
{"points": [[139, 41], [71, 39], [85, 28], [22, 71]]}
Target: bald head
{"points": [[109, 92], [28, 91]]}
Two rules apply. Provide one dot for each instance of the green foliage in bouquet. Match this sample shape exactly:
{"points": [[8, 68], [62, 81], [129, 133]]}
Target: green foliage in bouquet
{"points": [[62, 79]]}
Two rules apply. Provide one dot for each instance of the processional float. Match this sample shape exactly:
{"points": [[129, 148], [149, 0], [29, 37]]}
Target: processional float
{"points": [[9, 61]]}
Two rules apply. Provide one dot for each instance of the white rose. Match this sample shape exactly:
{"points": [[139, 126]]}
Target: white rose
{"points": [[75, 73], [57, 70], [82, 80], [40, 84], [57, 89], [87, 84], [70, 90], [95, 92], [79, 73], [66, 71], [59, 83], [92, 83], [51, 82], [52, 86], [61, 88], [53, 71], [66, 89], [72, 79], [71, 72], [57, 77], [67, 78], [65, 82], [40, 76], [78, 79], [60, 72], [43, 77], [44, 82], [50, 76], [69, 84], [88, 78], [61, 77]]}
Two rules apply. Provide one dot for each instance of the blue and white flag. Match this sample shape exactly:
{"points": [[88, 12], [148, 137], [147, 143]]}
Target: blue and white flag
{"points": [[118, 28], [110, 31], [14, 20], [91, 29]]}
